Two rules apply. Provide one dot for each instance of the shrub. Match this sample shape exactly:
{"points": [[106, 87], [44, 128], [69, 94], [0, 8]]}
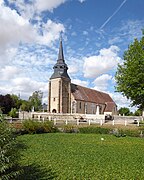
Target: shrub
{"points": [[9, 152], [130, 132], [69, 129], [31, 126], [36, 127], [49, 127], [95, 130]]}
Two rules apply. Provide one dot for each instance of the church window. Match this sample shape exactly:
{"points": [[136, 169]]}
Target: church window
{"points": [[80, 105], [53, 99]]}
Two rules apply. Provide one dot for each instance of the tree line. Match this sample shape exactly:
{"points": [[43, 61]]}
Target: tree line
{"points": [[10, 103]]}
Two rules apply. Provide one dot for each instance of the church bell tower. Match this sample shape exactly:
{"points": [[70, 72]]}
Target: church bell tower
{"points": [[59, 98]]}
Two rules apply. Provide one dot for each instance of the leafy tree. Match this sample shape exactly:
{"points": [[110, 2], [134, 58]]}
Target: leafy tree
{"points": [[16, 100], [124, 111], [25, 106], [130, 75], [9, 152], [36, 100], [13, 113], [138, 112], [6, 103]]}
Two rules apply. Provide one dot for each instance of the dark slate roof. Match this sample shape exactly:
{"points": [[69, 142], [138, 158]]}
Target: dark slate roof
{"points": [[91, 95], [60, 68]]}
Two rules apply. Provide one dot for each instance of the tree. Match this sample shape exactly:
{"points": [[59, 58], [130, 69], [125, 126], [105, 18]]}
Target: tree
{"points": [[124, 111], [130, 75], [16, 100], [13, 113], [36, 100], [25, 106], [6, 103], [9, 152], [138, 112]]}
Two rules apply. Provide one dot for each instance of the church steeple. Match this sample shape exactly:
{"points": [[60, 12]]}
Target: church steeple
{"points": [[60, 68], [61, 55]]}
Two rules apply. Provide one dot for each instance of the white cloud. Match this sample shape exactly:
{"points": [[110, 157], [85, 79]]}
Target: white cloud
{"points": [[8, 72], [34, 7], [102, 82], [120, 100], [14, 28], [80, 82], [105, 61], [131, 29], [43, 5], [51, 32], [27, 86]]}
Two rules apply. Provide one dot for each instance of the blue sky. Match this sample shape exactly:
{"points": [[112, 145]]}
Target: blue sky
{"points": [[95, 35]]}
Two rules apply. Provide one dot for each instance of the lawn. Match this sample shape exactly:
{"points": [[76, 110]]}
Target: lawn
{"points": [[82, 156]]}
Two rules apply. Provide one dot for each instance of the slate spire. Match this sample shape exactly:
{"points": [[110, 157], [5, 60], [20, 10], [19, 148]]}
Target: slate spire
{"points": [[61, 55], [60, 68]]}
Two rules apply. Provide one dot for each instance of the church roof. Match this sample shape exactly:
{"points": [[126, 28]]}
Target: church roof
{"points": [[60, 68], [109, 106], [91, 95]]}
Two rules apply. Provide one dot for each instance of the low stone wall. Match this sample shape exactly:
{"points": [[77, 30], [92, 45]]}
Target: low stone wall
{"points": [[76, 118]]}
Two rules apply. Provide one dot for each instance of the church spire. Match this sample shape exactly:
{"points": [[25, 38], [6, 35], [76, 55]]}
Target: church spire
{"points": [[61, 55], [60, 68]]}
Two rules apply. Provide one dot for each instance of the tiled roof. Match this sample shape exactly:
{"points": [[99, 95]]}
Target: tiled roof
{"points": [[109, 106], [90, 95]]}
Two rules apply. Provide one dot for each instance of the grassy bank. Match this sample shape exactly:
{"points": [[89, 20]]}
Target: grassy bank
{"points": [[82, 156]]}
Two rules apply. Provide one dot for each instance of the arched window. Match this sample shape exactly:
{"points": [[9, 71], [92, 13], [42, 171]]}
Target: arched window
{"points": [[54, 111]]}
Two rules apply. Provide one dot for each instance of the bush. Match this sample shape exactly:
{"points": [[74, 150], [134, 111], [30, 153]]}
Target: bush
{"points": [[36, 127], [95, 130], [69, 129], [9, 152], [49, 127], [130, 132]]}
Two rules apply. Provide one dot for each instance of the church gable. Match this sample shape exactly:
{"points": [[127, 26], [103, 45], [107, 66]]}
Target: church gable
{"points": [[89, 95]]}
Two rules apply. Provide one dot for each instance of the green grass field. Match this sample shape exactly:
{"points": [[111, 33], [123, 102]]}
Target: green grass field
{"points": [[82, 156]]}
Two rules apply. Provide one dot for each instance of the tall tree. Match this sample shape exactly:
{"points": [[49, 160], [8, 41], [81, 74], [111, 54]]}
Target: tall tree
{"points": [[36, 100], [130, 75], [6, 103], [124, 111], [16, 100]]}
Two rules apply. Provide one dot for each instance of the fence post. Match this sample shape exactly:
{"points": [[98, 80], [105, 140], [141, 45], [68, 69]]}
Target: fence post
{"points": [[66, 121], [101, 122], [77, 121], [89, 122], [125, 122], [113, 123], [43, 119], [10, 120], [54, 121], [137, 123]]}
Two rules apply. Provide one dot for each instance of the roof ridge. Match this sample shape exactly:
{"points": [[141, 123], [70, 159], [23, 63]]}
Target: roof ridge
{"points": [[90, 88]]}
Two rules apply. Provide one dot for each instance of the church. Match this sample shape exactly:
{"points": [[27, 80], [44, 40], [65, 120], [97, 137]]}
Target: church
{"points": [[66, 97]]}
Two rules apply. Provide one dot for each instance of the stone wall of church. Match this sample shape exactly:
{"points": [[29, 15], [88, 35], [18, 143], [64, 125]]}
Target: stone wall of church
{"points": [[54, 94], [59, 96], [83, 107], [65, 93]]}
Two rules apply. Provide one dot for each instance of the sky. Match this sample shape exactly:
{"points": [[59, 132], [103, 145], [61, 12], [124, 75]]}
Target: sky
{"points": [[95, 35]]}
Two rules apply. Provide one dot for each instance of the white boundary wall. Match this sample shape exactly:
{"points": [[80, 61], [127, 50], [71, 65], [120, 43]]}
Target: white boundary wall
{"points": [[79, 118]]}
